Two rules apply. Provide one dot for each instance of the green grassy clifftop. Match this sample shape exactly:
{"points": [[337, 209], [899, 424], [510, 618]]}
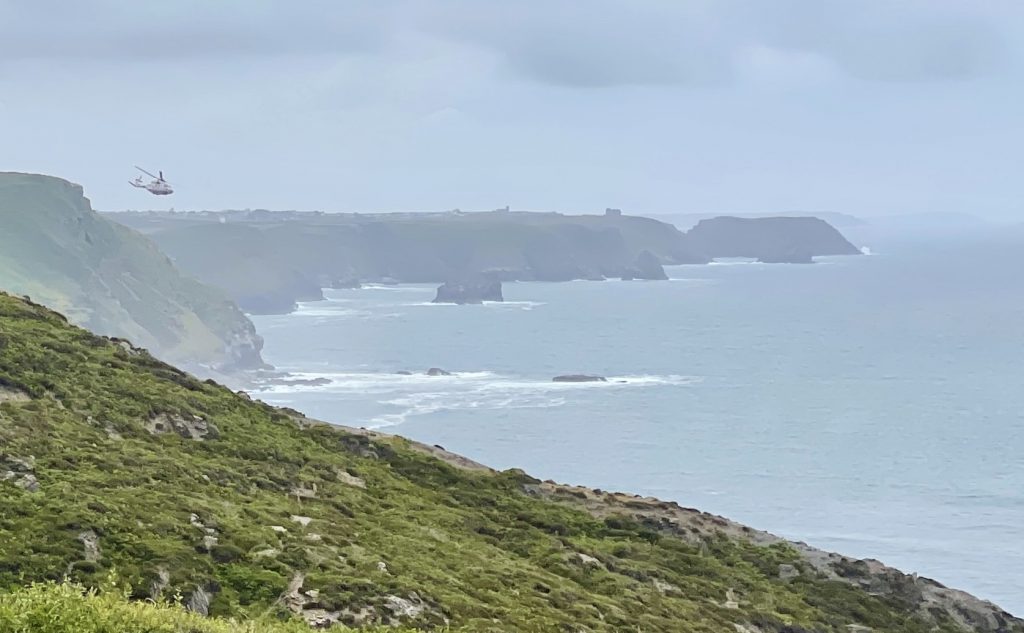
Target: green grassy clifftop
{"points": [[110, 279], [111, 460]]}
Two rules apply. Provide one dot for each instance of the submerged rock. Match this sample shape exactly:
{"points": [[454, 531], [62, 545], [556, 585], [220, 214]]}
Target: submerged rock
{"points": [[469, 291], [437, 371], [579, 378]]}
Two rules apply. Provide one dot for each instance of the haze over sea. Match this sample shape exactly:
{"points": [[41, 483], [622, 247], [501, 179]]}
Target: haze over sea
{"points": [[869, 405]]}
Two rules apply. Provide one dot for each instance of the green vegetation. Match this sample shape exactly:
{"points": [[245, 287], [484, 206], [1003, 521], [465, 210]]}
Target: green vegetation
{"points": [[106, 277], [111, 461], [66, 608]]}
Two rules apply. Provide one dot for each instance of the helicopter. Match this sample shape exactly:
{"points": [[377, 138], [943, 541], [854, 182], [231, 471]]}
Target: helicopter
{"points": [[158, 186]]}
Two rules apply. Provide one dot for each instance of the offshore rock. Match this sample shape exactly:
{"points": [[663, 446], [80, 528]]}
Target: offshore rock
{"points": [[579, 378], [469, 291]]}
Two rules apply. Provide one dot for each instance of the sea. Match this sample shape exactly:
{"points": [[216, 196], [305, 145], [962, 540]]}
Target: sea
{"points": [[871, 405]]}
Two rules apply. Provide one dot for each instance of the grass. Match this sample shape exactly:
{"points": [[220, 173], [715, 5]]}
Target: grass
{"points": [[263, 503]]}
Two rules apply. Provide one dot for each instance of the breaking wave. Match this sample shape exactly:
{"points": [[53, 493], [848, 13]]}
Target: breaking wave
{"points": [[406, 396]]}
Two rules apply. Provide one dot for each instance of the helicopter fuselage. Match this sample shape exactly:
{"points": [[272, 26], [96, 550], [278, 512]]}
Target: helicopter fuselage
{"points": [[157, 187]]}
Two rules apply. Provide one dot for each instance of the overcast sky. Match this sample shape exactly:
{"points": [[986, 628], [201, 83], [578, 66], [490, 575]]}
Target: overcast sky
{"points": [[867, 107]]}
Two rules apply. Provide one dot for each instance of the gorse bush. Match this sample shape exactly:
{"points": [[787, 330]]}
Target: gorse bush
{"points": [[70, 608]]}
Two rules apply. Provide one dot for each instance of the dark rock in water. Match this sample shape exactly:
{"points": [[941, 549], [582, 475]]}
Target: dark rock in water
{"points": [[312, 382], [436, 371], [579, 378], [469, 291], [404, 373]]}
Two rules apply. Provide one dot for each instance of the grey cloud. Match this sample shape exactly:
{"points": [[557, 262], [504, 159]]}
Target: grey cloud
{"points": [[116, 30], [559, 42], [609, 42]]}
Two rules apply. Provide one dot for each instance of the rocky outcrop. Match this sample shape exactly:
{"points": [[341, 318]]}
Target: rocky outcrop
{"points": [[475, 290], [927, 598], [579, 378], [13, 394], [437, 371], [646, 266], [188, 427], [774, 240], [20, 471]]}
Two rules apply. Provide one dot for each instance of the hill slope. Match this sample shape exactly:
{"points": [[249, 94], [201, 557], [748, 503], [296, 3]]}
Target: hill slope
{"points": [[110, 459], [104, 276]]}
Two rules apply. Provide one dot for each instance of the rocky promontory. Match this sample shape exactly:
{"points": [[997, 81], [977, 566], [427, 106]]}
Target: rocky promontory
{"points": [[771, 240]]}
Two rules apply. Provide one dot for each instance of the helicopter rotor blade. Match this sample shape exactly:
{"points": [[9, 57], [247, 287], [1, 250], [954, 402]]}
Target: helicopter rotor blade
{"points": [[145, 172]]}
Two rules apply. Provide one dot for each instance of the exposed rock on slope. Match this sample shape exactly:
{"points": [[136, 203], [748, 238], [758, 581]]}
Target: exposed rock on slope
{"points": [[924, 597], [774, 240], [56, 249], [277, 513]]}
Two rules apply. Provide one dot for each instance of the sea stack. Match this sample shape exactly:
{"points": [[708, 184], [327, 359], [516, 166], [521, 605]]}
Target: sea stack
{"points": [[468, 291]]}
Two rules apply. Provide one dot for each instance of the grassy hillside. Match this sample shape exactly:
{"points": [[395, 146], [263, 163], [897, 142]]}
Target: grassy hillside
{"points": [[104, 276], [111, 461]]}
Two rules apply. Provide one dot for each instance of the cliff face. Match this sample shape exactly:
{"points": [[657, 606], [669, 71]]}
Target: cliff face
{"points": [[56, 249], [772, 240], [112, 460], [267, 261]]}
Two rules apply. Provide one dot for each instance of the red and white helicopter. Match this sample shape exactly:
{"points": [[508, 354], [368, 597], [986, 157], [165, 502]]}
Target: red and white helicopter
{"points": [[158, 186]]}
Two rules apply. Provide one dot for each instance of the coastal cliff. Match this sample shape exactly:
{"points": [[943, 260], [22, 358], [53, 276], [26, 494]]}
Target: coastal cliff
{"points": [[268, 261], [104, 276], [115, 463], [771, 240]]}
